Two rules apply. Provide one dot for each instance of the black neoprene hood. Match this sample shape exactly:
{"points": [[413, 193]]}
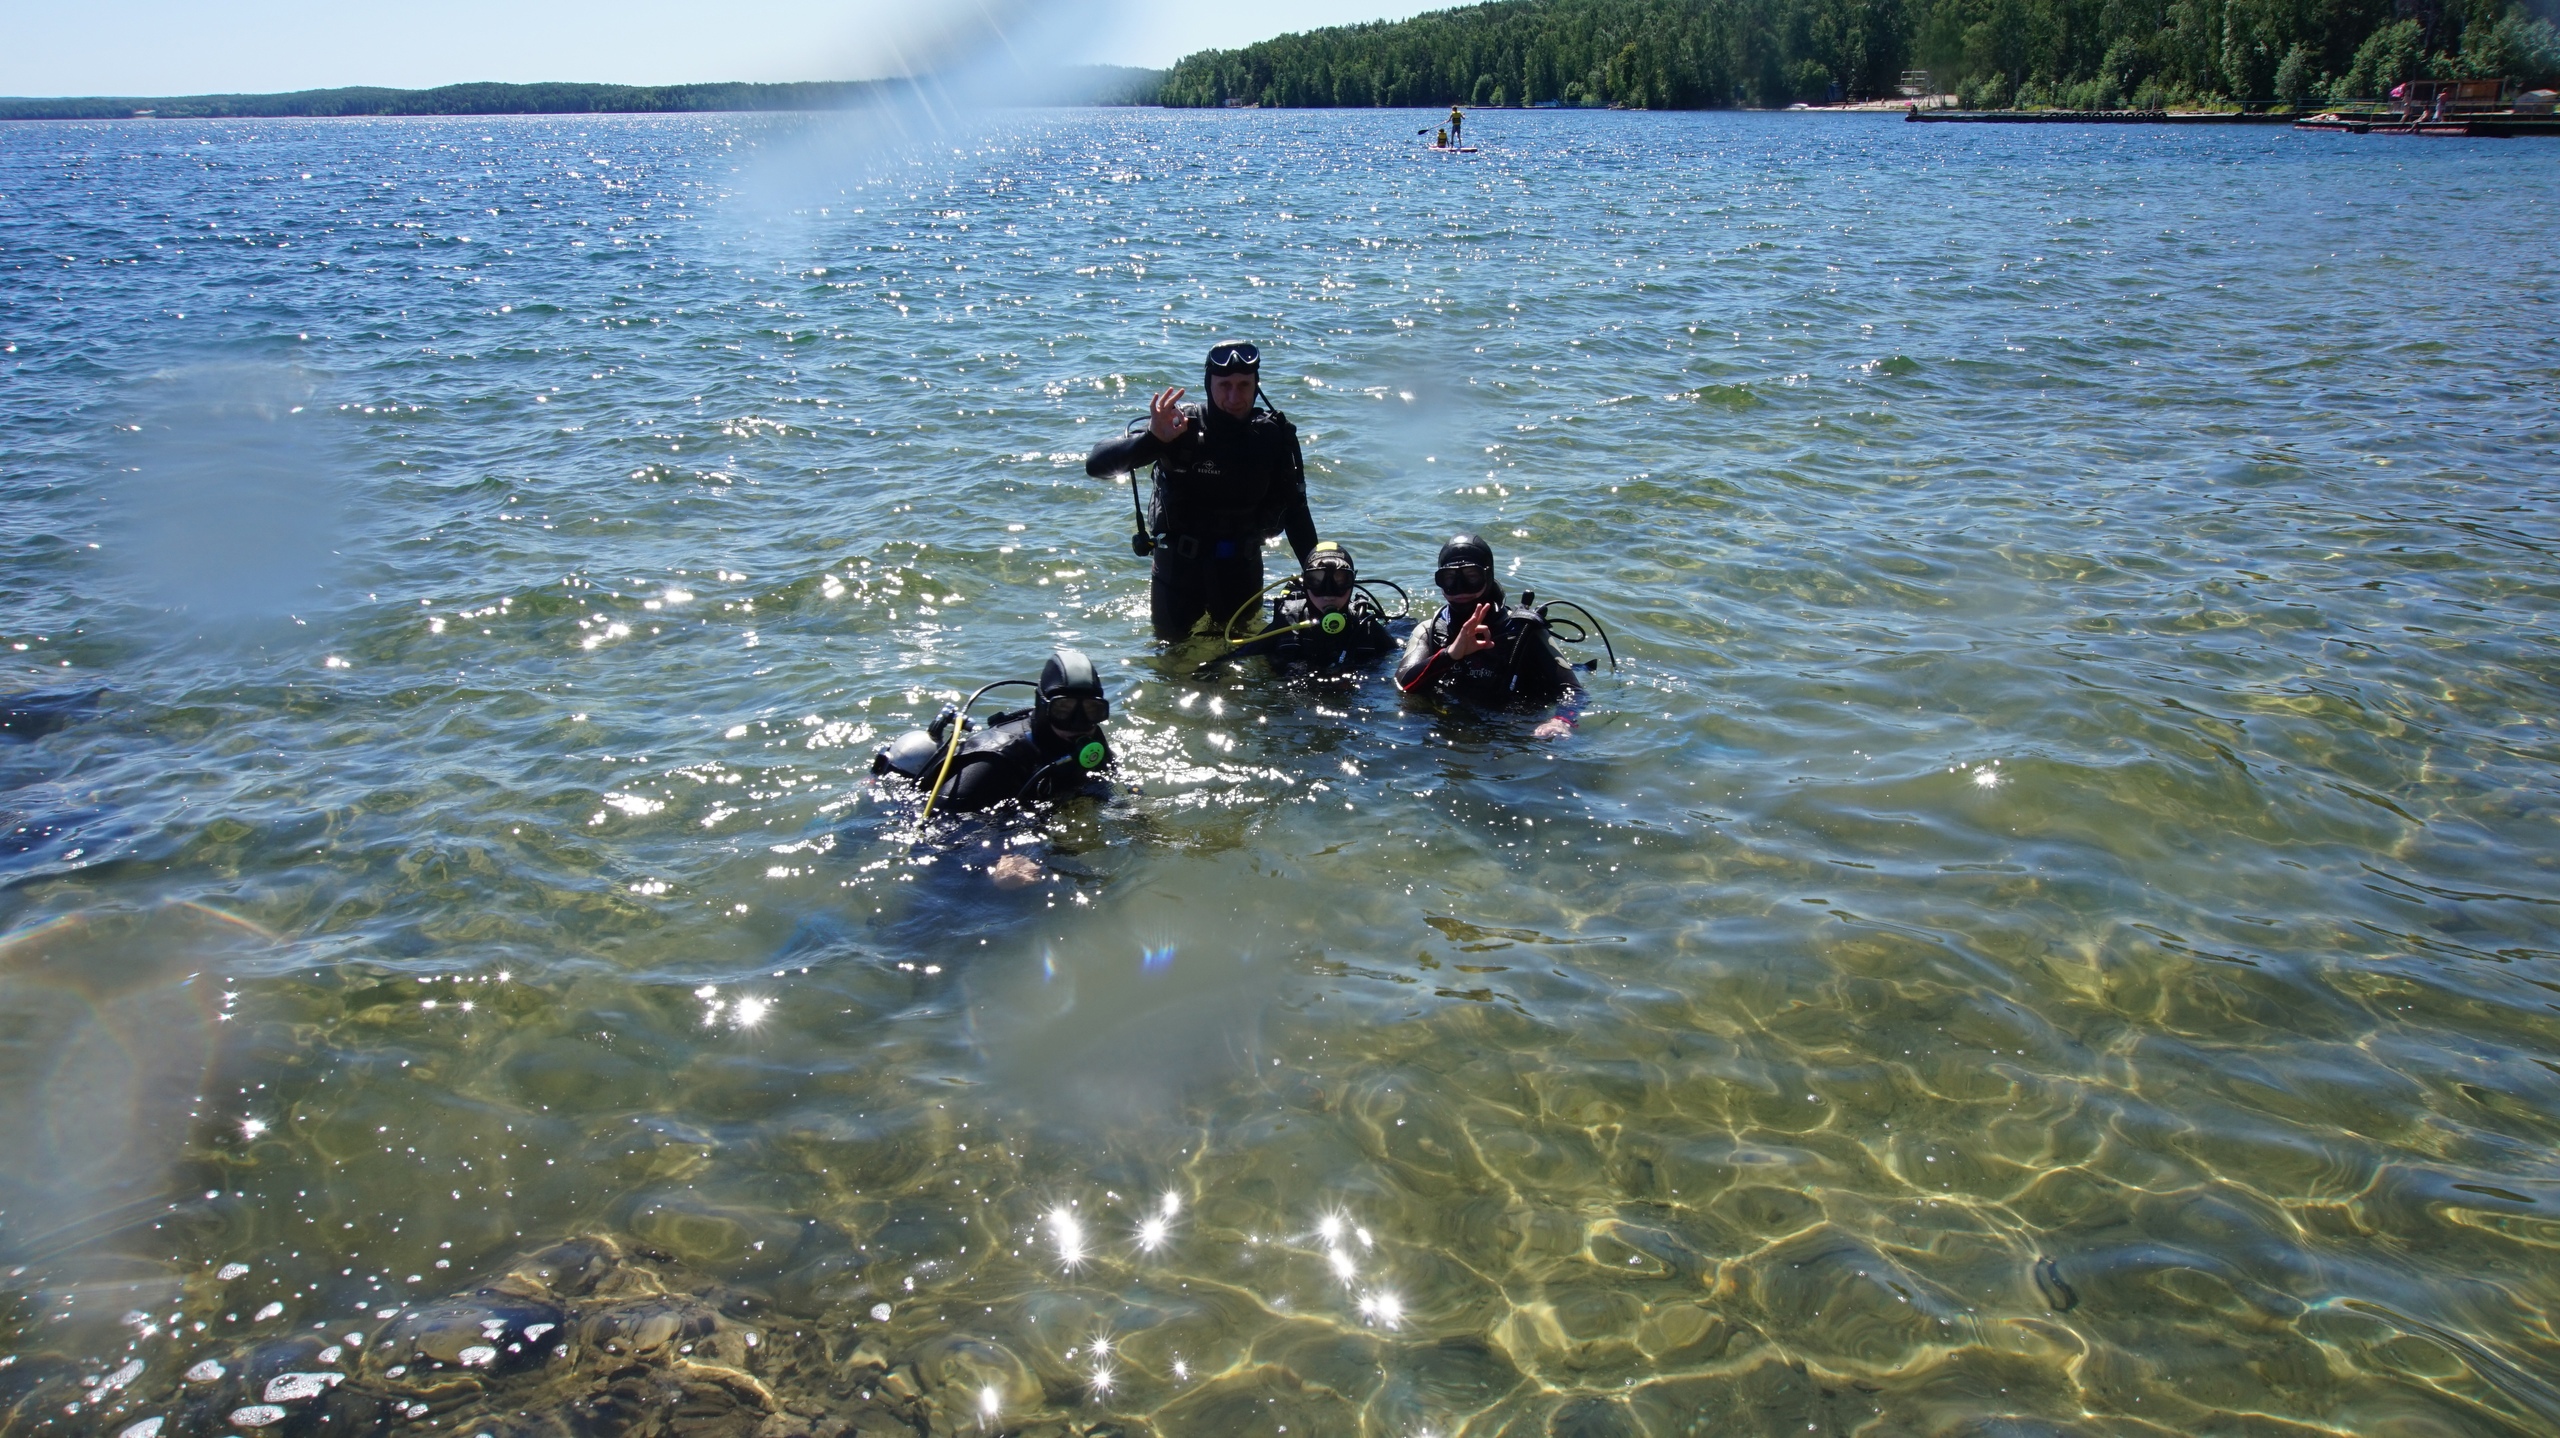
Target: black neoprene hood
{"points": [[1069, 672], [1465, 549]]}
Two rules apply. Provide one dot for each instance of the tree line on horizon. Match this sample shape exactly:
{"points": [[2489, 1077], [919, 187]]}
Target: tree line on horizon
{"points": [[1715, 54], [562, 98], [1075, 84]]}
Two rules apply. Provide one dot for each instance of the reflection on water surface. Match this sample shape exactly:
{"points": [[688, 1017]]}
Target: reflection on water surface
{"points": [[2047, 931]]}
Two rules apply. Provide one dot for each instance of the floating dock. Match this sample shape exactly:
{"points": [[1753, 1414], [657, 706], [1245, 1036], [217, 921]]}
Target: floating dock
{"points": [[2090, 117], [2486, 127]]}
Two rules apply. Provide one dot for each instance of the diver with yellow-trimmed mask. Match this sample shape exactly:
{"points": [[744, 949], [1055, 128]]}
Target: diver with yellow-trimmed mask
{"points": [[1324, 620]]}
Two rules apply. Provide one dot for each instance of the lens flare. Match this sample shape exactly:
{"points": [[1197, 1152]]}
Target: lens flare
{"points": [[1382, 1308], [1068, 1230]]}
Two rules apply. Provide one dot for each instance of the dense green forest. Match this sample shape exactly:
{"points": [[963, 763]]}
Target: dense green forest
{"points": [[1703, 54], [1078, 85]]}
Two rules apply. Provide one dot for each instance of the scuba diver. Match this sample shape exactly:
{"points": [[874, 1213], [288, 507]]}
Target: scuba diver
{"points": [[1485, 651], [1228, 476], [1322, 621], [1049, 751]]}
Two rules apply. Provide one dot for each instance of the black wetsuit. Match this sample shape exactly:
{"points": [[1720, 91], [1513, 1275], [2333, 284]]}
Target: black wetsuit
{"points": [[1520, 668], [1013, 757], [1364, 637], [1222, 488]]}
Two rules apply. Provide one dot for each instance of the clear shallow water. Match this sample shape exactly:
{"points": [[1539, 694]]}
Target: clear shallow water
{"points": [[2049, 929]]}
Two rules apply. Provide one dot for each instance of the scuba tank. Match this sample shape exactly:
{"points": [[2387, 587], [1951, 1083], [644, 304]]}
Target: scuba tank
{"points": [[918, 752], [911, 754]]}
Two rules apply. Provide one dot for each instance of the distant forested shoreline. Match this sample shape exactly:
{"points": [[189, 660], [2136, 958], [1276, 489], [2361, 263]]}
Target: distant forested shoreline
{"points": [[1076, 85], [1712, 54]]}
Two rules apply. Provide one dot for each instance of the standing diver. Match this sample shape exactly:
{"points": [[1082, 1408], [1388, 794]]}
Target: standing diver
{"points": [[1322, 623], [1228, 476], [1049, 751], [1497, 656]]}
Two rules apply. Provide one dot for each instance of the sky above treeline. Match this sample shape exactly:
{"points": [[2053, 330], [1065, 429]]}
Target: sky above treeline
{"points": [[186, 47]]}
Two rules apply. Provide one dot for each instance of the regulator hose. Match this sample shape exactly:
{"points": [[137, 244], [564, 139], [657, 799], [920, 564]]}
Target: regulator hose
{"points": [[1592, 619], [951, 750]]}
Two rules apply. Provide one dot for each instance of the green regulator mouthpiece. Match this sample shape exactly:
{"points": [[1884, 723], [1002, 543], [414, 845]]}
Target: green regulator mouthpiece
{"points": [[1093, 755], [1335, 622]]}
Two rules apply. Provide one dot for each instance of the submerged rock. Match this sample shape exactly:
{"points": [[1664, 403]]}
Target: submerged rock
{"points": [[491, 1329], [649, 1327], [31, 715], [277, 1387], [610, 1340], [570, 1269], [972, 1383], [713, 1235]]}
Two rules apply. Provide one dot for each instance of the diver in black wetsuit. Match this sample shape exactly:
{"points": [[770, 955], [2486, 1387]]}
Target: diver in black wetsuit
{"points": [[1048, 751], [1322, 623], [1228, 476], [1485, 651], [1053, 750]]}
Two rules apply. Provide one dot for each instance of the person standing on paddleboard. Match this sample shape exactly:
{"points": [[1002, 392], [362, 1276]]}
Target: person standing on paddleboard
{"points": [[1457, 127], [1228, 476]]}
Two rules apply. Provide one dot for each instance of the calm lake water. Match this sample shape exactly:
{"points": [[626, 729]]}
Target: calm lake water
{"points": [[2049, 926]]}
